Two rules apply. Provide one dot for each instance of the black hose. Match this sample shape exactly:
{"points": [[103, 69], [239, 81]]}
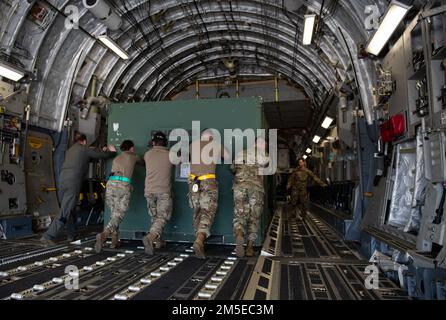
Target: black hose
{"points": [[355, 73]]}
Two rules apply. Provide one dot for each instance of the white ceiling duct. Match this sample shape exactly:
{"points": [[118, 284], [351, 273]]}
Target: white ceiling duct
{"points": [[102, 10]]}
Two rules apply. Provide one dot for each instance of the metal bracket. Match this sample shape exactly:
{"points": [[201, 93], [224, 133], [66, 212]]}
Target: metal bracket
{"points": [[358, 113], [433, 12]]}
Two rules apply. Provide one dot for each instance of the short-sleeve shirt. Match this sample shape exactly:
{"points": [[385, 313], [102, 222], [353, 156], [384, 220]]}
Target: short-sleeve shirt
{"points": [[158, 171], [124, 164], [200, 168]]}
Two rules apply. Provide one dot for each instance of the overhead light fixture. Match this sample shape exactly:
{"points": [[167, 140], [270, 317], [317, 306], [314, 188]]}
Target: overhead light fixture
{"points": [[308, 151], [114, 47], [393, 17], [310, 22], [327, 122], [317, 139], [10, 71], [305, 157]]}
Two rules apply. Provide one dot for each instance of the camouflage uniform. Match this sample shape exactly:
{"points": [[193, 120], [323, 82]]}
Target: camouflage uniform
{"points": [[160, 210], [117, 198], [249, 194], [158, 192], [117, 195], [298, 182], [204, 203]]}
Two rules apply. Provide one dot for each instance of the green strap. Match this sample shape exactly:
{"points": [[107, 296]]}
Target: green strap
{"points": [[122, 179]]}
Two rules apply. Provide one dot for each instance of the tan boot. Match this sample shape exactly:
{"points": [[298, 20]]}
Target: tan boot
{"points": [[199, 246], [240, 241], [148, 243], [250, 249], [100, 239], [115, 243]]}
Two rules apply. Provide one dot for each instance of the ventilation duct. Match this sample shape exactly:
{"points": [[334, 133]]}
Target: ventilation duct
{"points": [[102, 10]]}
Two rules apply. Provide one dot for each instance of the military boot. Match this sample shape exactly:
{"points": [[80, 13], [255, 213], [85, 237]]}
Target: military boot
{"points": [[160, 243], [148, 243], [100, 239], [115, 243], [296, 213], [47, 242], [199, 246], [240, 241], [250, 249]]}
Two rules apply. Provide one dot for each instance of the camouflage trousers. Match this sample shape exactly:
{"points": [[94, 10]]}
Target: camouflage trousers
{"points": [[160, 210], [117, 198], [299, 199], [204, 203], [248, 208]]}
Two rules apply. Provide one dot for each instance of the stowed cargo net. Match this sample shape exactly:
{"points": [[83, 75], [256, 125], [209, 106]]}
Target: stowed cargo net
{"points": [[409, 187]]}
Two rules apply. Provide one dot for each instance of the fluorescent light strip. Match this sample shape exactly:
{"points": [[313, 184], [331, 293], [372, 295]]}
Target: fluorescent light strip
{"points": [[327, 122], [308, 151], [395, 14], [316, 139], [305, 157], [114, 47], [310, 21], [10, 72]]}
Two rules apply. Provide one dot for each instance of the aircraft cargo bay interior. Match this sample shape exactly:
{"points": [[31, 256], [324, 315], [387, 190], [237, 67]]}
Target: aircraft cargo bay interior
{"points": [[238, 150]]}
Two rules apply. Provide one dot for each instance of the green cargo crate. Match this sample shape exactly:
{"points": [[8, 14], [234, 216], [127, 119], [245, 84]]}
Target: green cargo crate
{"points": [[139, 120]]}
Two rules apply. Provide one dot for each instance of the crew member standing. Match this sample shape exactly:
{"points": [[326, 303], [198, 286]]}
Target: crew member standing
{"points": [[74, 170], [118, 192], [297, 184], [249, 194], [158, 190], [203, 187]]}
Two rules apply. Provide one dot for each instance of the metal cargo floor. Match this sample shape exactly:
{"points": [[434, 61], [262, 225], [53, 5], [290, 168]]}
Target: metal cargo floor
{"points": [[300, 260]]}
